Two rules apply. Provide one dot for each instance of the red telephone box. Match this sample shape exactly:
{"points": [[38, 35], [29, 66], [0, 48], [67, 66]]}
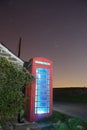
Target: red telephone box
{"points": [[39, 95]]}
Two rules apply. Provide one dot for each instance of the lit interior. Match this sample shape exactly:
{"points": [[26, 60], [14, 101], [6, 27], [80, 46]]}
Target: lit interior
{"points": [[42, 94]]}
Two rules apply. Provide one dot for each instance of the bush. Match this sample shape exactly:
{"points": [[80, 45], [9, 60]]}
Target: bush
{"points": [[12, 80]]}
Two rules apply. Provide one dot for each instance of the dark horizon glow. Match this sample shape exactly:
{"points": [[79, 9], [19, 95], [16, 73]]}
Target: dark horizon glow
{"points": [[53, 29]]}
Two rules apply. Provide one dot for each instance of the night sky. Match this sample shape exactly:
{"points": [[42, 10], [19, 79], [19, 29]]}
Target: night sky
{"points": [[55, 29]]}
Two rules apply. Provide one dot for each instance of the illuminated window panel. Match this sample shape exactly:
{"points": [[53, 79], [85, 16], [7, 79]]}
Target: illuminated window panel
{"points": [[43, 86], [42, 70], [42, 104], [41, 110], [46, 76], [42, 97], [42, 81], [41, 92]]}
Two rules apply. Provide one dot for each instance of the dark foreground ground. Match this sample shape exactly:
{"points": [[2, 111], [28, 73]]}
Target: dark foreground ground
{"points": [[73, 109], [71, 101]]}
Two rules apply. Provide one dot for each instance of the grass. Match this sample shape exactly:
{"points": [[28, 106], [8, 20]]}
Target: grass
{"points": [[60, 121], [65, 122]]}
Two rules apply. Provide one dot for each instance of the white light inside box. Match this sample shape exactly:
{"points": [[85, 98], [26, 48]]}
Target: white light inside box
{"points": [[41, 62]]}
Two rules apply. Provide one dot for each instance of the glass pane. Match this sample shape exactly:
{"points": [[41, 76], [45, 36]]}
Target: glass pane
{"points": [[42, 70], [42, 110], [43, 86], [48, 81], [42, 81], [42, 76], [41, 104], [48, 76], [41, 98], [41, 92]]}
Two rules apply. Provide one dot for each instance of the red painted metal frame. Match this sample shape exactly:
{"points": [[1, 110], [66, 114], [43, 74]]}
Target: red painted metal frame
{"points": [[30, 90]]}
